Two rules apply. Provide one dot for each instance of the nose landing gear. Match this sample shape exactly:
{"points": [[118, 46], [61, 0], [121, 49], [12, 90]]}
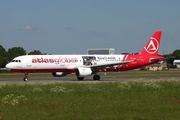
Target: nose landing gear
{"points": [[25, 76]]}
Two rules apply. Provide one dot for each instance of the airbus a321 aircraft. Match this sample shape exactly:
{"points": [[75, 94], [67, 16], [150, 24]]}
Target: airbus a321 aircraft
{"points": [[86, 65]]}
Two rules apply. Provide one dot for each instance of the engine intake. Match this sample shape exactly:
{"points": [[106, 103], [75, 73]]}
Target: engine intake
{"points": [[83, 72]]}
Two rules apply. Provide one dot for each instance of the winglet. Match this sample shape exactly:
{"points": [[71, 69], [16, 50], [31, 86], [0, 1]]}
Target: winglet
{"points": [[152, 46]]}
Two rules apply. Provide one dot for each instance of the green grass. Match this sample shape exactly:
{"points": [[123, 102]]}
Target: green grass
{"points": [[4, 71], [132, 100], [21, 75]]}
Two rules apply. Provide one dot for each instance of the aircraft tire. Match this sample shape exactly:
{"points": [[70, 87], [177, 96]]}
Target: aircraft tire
{"points": [[80, 78], [25, 79], [96, 77]]}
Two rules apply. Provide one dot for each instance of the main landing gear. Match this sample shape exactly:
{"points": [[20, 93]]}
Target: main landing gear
{"points": [[95, 77], [25, 76], [80, 78]]}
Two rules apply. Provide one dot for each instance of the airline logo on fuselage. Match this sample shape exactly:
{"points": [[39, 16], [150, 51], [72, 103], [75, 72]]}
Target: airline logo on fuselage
{"points": [[54, 60], [153, 46]]}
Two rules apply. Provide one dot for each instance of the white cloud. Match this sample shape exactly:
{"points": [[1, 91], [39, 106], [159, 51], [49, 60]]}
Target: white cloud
{"points": [[28, 28]]}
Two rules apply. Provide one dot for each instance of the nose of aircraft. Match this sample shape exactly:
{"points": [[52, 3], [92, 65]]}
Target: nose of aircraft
{"points": [[8, 67]]}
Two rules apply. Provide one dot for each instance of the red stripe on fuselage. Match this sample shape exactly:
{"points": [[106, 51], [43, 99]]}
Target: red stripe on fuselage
{"points": [[125, 57], [42, 70]]}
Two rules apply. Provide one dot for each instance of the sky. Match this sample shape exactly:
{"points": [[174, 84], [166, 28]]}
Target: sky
{"points": [[73, 26]]}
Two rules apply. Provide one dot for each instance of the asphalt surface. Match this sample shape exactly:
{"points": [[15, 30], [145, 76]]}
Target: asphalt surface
{"points": [[74, 79], [55, 79]]}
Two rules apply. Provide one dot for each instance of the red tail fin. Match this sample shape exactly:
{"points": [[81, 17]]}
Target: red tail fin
{"points": [[152, 46]]}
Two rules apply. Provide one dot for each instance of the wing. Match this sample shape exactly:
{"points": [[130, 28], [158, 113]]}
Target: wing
{"points": [[110, 64]]}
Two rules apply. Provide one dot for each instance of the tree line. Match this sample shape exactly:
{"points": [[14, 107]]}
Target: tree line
{"points": [[7, 56]]}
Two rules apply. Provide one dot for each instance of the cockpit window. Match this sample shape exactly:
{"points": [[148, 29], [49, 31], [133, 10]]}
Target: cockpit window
{"points": [[16, 61]]}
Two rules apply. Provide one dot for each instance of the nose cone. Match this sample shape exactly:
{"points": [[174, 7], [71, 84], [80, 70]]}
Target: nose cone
{"points": [[8, 67]]}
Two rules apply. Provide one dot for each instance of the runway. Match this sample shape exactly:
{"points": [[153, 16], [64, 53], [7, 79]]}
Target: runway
{"points": [[15, 78], [55, 79], [104, 78]]}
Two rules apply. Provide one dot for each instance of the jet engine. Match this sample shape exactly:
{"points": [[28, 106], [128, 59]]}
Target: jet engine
{"points": [[83, 72], [59, 74]]}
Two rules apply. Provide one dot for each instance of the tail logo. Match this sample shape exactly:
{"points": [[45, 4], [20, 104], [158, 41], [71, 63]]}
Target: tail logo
{"points": [[152, 47]]}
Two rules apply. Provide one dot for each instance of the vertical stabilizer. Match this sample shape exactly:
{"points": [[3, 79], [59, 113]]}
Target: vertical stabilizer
{"points": [[152, 46]]}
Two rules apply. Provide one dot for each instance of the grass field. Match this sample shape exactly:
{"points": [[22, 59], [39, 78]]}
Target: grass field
{"points": [[130, 100]]}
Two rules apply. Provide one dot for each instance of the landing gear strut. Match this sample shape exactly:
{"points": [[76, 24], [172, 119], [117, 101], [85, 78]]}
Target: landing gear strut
{"points": [[25, 76], [96, 77]]}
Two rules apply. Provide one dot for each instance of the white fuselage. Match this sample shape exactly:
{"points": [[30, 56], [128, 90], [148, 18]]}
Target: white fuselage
{"points": [[60, 62]]}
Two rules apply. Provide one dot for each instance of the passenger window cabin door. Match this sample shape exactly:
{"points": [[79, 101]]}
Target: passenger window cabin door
{"points": [[28, 63]]}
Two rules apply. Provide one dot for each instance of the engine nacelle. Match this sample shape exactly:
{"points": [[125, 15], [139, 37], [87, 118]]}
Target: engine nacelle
{"points": [[83, 72], [59, 74]]}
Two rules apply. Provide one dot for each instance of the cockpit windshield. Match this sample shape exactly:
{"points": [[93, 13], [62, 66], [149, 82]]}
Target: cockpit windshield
{"points": [[16, 61]]}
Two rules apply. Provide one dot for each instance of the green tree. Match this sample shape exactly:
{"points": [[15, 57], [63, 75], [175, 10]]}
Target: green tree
{"points": [[3, 56], [35, 52], [169, 58], [15, 51], [176, 54]]}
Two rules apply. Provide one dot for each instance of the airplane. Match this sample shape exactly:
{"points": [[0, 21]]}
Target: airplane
{"points": [[86, 65]]}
